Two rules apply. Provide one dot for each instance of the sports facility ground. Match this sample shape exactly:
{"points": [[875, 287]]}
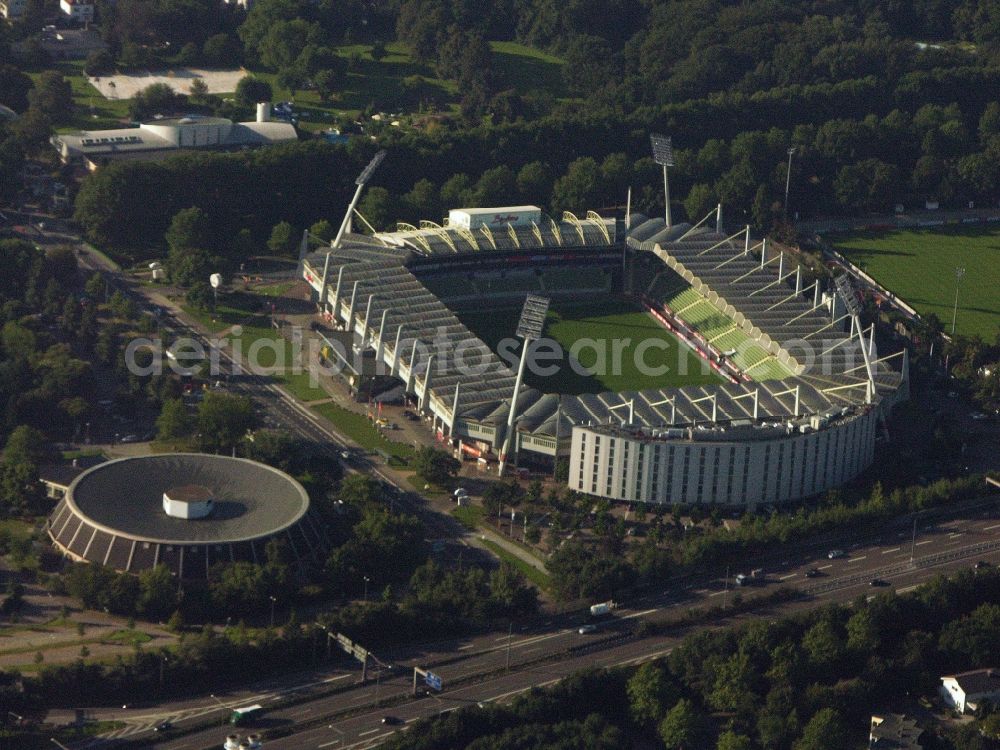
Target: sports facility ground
{"points": [[610, 320], [919, 266]]}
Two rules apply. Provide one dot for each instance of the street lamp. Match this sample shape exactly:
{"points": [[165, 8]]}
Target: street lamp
{"points": [[273, 600], [57, 743], [788, 179], [365, 597], [959, 273]]}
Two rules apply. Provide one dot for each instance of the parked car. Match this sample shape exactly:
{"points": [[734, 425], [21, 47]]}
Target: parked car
{"points": [[878, 582], [392, 721], [584, 629], [836, 554], [163, 726], [813, 573]]}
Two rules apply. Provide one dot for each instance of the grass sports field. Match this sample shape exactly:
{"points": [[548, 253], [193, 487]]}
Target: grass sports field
{"points": [[919, 266], [611, 321]]}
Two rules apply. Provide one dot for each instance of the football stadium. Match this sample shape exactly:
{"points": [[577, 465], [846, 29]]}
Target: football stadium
{"points": [[186, 511], [769, 390]]}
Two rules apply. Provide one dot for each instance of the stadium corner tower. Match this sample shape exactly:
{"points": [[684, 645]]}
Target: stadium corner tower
{"points": [[800, 390]]}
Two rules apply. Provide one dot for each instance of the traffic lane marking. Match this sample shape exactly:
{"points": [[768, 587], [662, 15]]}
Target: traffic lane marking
{"points": [[890, 551], [856, 559]]}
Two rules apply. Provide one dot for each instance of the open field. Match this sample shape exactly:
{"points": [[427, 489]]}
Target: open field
{"points": [[919, 266], [595, 330]]}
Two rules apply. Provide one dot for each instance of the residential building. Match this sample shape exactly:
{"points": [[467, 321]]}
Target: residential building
{"points": [[894, 732], [965, 691]]}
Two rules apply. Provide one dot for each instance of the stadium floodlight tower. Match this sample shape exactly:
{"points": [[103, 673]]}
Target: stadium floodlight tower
{"points": [[529, 328], [850, 300], [363, 179], [663, 154]]}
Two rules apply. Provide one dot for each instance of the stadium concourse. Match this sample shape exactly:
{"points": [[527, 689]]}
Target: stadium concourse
{"points": [[797, 415]]}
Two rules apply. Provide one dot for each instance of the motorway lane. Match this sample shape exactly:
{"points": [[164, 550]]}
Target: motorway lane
{"points": [[845, 579]]}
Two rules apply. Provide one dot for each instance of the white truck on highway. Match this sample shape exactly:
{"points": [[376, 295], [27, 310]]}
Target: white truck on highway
{"points": [[603, 608]]}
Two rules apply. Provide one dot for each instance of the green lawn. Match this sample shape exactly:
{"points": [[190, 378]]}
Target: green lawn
{"points": [[360, 430], [528, 69], [919, 266], [613, 325], [533, 574]]}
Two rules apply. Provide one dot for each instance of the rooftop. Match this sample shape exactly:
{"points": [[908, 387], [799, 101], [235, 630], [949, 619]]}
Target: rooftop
{"points": [[250, 499], [978, 681]]}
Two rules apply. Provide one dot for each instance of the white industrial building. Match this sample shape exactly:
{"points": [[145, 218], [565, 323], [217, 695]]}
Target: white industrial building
{"points": [[803, 392], [159, 137]]}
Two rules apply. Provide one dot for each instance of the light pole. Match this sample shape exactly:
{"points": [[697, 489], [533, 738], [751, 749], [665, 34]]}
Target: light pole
{"points": [[273, 601], [959, 273], [365, 597], [788, 179], [57, 743]]}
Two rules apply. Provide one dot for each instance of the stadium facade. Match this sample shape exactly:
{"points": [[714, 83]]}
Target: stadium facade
{"points": [[187, 511], [803, 393]]}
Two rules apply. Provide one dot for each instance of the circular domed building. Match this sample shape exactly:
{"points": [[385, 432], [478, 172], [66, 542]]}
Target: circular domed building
{"points": [[187, 511]]}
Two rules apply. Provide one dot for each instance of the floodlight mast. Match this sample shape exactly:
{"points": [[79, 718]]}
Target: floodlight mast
{"points": [[529, 327], [361, 181], [846, 292], [663, 154]]}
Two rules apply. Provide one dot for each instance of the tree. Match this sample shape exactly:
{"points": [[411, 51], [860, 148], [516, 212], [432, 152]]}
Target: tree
{"points": [[578, 188], [223, 420], [376, 207], [198, 89], [158, 592], [436, 467], [14, 87], [173, 422], [221, 50], [326, 83], [284, 239], [730, 740], [324, 230], [824, 731], [378, 51], [52, 95], [157, 98], [681, 727], [650, 691], [250, 90], [188, 239]]}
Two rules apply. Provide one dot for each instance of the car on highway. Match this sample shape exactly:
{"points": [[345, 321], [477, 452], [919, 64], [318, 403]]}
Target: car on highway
{"points": [[981, 564], [461, 492], [878, 582], [836, 554], [391, 721], [813, 573], [589, 628], [163, 726]]}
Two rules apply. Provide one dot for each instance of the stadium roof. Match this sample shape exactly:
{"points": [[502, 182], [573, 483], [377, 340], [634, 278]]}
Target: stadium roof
{"points": [[714, 265]]}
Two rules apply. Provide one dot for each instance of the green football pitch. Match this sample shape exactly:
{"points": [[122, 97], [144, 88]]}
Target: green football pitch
{"points": [[589, 335], [919, 266]]}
